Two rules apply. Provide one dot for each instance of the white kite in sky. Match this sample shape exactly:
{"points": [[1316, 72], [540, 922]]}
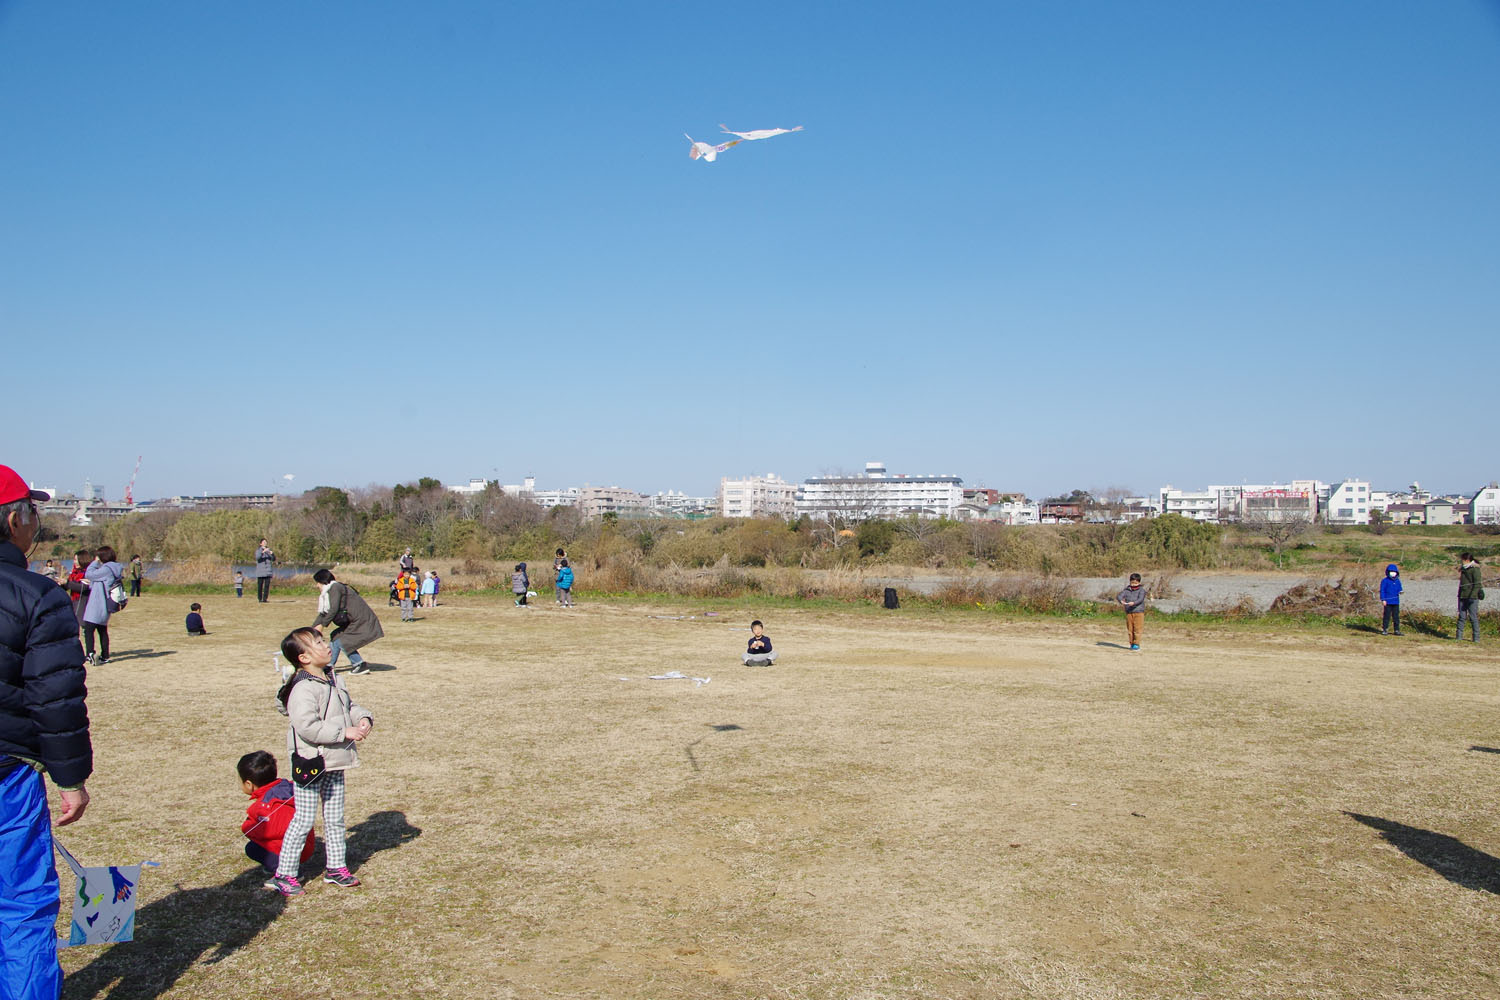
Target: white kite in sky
{"points": [[763, 133], [704, 150]]}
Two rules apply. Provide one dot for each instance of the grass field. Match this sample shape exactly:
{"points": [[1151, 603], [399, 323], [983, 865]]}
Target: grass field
{"points": [[908, 805]]}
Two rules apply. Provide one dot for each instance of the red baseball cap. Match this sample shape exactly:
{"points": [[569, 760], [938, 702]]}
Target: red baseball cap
{"points": [[13, 487]]}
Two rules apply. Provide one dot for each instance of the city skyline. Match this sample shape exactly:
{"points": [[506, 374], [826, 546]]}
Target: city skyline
{"points": [[365, 242], [295, 488]]}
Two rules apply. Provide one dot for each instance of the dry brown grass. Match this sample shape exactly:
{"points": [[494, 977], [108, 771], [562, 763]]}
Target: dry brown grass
{"points": [[910, 806]]}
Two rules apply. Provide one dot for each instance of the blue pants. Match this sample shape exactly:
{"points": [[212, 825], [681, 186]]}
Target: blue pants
{"points": [[335, 648], [262, 857], [28, 891]]}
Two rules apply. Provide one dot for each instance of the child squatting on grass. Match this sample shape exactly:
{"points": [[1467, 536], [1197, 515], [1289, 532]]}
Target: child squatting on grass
{"points": [[270, 811], [1133, 600], [325, 726], [194, 620]]}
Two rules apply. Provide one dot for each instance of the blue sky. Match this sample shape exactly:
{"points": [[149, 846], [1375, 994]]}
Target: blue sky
{"points": [[1036, 245]]}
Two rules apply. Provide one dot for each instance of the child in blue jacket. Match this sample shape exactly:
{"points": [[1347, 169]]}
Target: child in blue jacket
{"points": [[564, 583], [1390, 601]]}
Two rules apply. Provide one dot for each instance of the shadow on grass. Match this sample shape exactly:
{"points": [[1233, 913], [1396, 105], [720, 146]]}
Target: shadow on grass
{"points": [[1448, 856], [382, 831], [379, 667], [725, 727], [1424, 628], [175, 932], [1112, 645], [140, 654], [1358, 627], [1480, 749]]}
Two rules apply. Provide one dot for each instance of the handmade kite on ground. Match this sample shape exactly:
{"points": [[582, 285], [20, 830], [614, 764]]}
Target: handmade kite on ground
{"points": [[707, 152], [104, 906], [763, 133]]}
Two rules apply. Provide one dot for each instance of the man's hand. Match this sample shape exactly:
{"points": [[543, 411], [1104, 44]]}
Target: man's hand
{"points": [[74, 803]]}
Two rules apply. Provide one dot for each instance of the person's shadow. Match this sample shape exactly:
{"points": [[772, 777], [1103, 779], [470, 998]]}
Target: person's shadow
{"points": [[1448, 856], [174, 932]]}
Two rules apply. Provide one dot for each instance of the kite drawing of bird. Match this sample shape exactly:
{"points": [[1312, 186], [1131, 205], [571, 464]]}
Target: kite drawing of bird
{"points": [[763, 133], [705, 151]]}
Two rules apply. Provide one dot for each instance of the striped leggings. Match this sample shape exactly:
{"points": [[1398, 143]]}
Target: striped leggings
{"points": [[329, 791]]}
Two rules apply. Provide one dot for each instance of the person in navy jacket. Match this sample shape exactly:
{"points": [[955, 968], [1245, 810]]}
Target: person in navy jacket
{"points": [[44, 727], [1390, 601]]}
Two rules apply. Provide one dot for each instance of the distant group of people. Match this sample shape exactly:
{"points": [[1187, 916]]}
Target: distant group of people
{"points": [[1470, 593]]}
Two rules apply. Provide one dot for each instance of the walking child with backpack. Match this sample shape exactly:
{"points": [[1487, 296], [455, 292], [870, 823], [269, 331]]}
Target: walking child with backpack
{"points": [[325, 726]]}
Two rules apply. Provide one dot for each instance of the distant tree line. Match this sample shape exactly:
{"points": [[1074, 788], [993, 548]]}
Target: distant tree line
{"points": [[327, 525]]}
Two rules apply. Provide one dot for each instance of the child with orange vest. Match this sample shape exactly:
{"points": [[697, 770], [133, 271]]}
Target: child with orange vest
{"points": [[406, 593]]}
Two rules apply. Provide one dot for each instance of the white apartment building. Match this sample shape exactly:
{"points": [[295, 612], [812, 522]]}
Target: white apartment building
{"points": [[1484, 506], [1196, 505], [757, 496], [878, 495], [474, 486], [555, 498], [678, 504], [1350, 502]]}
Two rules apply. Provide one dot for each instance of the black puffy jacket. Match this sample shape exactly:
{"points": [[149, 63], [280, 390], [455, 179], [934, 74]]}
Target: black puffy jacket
{"points": [[42, 713]]}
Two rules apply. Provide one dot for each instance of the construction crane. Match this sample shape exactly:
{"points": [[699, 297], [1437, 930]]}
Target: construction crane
{"points": [[130, 489]]}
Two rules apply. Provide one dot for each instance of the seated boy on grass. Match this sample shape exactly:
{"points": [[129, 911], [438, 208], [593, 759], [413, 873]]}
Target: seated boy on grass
{"points": [[759, 652]]}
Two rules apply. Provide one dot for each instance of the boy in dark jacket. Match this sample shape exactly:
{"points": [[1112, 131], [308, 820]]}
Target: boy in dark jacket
{"points": [[758, 653], [1133, 600], [1390, 601], [195, 620], [272, 806], [1470, 593]]}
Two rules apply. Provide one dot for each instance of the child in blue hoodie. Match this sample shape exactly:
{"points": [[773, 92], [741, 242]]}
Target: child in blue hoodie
{"points": [[1390, 600]]}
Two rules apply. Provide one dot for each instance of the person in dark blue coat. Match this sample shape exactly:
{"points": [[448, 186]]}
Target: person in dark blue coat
{"points": [[44, 727], [1390, 601]]}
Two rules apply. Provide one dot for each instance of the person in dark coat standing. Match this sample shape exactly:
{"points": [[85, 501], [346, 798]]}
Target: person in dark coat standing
{"points": [[264, 560], [1470, 593], [362, 628], [44, 727]]}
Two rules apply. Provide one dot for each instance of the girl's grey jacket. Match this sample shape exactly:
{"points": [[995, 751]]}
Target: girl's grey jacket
{"points": [[320, 710], [101, 576], [363, 629]]}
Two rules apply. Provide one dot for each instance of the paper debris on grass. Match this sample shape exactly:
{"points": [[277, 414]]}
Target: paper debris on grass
{"points": [[678, 675]]}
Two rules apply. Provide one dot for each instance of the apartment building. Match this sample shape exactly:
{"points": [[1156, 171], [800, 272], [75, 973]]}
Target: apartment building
{"points": [[1350, 502], [596, 501], [675, 503], [757, 496], [879, 495]]}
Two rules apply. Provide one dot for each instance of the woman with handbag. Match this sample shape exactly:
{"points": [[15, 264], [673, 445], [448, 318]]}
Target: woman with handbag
{"points": [[106, 595], [355, 625]]}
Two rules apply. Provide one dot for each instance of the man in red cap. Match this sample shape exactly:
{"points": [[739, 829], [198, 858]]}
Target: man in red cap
{"points": [[44, 726]]}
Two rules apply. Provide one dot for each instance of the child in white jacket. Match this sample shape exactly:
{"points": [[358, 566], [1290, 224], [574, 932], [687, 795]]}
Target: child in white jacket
{"points": [[325, 726]]}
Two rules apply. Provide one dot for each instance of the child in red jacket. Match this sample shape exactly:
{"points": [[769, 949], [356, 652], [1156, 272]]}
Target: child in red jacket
{"points": [[270, 811]]}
